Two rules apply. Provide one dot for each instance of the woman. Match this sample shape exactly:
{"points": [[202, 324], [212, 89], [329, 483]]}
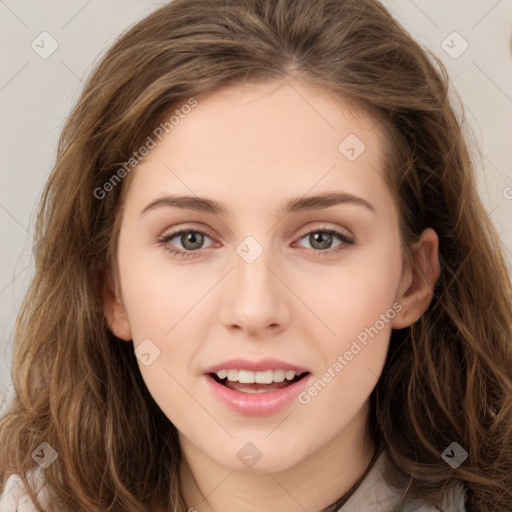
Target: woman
{"points": [[264, 279]]}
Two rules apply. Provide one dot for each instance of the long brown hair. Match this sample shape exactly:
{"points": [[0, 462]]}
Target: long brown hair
{"points": [[447, 378]]}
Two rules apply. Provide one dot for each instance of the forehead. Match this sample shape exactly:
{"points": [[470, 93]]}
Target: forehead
{"points": [[267, 141]]}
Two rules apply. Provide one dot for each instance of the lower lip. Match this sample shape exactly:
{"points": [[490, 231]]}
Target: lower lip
{"points": [[257, 404]]}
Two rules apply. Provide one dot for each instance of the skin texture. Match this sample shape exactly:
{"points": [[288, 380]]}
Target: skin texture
{"points": [[252, 148]]}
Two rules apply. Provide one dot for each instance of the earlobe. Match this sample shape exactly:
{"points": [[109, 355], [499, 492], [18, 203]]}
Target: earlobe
{"points": [[115, 313], [418, 282]]}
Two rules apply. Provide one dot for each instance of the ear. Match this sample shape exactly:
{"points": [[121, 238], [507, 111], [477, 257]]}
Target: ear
{"points": [[115, 313], [418, 280]]}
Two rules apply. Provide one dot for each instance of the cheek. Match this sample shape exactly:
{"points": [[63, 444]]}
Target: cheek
{"points": [[161, 304], [353, 296], [358, 306], [158, 297], [351, 361]]}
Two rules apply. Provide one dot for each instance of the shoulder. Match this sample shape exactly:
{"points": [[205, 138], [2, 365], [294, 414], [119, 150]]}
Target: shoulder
{"points": [[375, 494], [14, 498]]}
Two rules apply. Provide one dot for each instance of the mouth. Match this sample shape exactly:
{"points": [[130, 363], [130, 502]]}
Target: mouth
{"points": [[246, 382], [262, 392]]}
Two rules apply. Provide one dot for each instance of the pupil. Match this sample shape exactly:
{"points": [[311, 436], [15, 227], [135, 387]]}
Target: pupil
{"points": [[195, 239], [317, 238]]}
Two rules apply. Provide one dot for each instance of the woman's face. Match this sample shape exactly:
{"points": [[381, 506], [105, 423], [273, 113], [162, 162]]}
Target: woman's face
{"points": [[292, 261]]}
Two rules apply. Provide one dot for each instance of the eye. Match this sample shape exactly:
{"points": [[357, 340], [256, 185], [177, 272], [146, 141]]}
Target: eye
{"points": [[191, 241], [322, 239]]}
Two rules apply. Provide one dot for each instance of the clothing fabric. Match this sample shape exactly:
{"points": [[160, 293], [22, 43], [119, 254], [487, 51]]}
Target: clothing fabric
{"points": [[375, 495], [372, 495], [15, 499]]}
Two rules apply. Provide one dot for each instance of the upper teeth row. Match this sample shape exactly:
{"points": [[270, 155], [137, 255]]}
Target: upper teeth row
{"points": [[248, 377]]}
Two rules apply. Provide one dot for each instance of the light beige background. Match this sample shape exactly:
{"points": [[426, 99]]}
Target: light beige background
{"points": [[36, 95]]}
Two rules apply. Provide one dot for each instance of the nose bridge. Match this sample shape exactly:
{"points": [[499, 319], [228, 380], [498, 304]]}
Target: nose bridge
{"points": [[254, 299]]}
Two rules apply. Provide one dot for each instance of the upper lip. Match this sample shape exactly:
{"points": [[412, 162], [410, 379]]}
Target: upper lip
{"points": [[256, 366]]}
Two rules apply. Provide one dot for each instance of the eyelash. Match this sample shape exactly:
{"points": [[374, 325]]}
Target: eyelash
{"points": [[164, 240]]}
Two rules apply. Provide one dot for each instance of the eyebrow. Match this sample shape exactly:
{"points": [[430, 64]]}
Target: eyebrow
{"points": [[299, 204]]}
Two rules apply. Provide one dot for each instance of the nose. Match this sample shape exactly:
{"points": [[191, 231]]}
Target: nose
{"points": [[254, 298]]}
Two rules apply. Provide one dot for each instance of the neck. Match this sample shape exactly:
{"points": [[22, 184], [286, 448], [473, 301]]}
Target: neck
{"points": [[329, 473]]}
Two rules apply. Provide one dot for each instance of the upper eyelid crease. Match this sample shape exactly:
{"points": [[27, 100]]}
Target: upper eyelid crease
{"points": [[201, 204]]}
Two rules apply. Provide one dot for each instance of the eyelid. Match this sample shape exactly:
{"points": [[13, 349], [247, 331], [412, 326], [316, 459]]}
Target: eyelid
{"points": [[327, 228]]}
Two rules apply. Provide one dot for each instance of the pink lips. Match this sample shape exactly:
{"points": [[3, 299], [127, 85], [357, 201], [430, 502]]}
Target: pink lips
{"points": [[256, 404], [255, 366]]}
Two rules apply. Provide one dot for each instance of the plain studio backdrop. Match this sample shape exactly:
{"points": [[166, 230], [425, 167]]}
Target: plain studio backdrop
{"points": [[49, 48]]}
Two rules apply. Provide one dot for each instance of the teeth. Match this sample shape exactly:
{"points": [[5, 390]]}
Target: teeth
{"points": [[248, 377], [232, 375], [279, 375], [263, 377]]}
